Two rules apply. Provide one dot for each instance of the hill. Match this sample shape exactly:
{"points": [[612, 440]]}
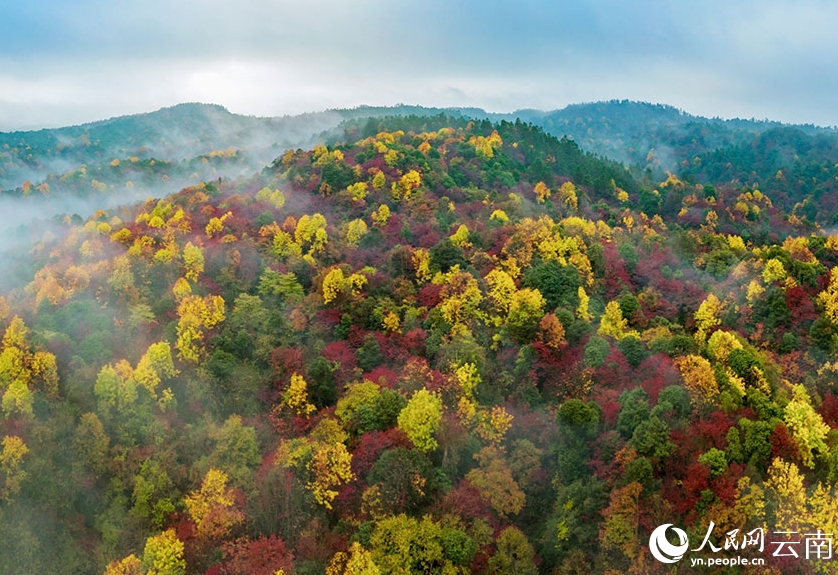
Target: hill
{"points": [[435, 345]]}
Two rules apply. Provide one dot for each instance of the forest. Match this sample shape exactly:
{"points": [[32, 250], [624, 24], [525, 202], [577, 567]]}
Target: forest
{"points": [[423, 344]]}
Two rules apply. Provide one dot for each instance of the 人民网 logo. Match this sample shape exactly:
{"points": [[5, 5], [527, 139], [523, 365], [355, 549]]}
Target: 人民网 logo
{"points": [[662, 549]]}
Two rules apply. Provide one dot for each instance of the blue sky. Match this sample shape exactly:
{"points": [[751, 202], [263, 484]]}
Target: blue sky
{"points": [[70, 62]]}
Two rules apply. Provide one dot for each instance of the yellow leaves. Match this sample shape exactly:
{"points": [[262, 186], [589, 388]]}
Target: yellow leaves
{"points": [[311, 232], [216, 225], [296, 396], [127, 566], [211, 508], [355, 230], [331, 466], [468, 378], [720, 344], [460, 237], [806, 426], [15, 335], [379, 180], [754, 291], [420, 419], [381, 215], [391, 322], [798, 249], [485, 147], [582, 311], [358, 191], [699, 378], [181, 289], [358, 561], [613, 323], [407, 184], [283, 244], [706, 317], [421, 260], [163, 554], [492, 424], [193, 261], [11, 459], [542, 192], [567, 193], [275, 198], [501, 289], [499, 216], [335, 284], [785, 483], [155, 365], [828, 298], [196, 315], [461, 298], [773, 271]]}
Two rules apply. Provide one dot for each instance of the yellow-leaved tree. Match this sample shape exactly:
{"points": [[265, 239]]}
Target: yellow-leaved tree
{"points": [[707, 317], [213, 507], [196, 315], [420, 419]]}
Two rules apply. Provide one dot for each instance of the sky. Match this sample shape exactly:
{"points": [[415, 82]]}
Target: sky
{"points": [[64, 63]]}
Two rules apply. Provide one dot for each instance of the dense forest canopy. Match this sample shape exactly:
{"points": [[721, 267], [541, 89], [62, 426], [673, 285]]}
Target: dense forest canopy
{"points": [[428, 344]]}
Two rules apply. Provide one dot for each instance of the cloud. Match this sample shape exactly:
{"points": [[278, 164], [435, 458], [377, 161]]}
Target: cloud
{"points": [[68, 62]]}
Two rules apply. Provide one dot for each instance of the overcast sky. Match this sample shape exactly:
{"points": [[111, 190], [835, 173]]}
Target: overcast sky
{"points": [[70, 62]]}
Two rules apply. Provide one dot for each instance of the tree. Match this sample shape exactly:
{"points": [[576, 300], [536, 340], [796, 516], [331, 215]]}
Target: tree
{"points": [[163, 554], [526, 308], [806, 426], [213, 508], [567, 193], [330, 466], [706, 317], [551, 332], [196, 315], [785, 484], [699, 378], [501, 289], [493, 479], [262, 556], [193, 261], [236, 451], [356, 561], [613, 323], [401, 479], [381, 215], [11, 460], [335, 284], [128, 566], [403, 545], [155, 365], [542, 192], [620, 529], [296, 396], [514, 555], [404, 188], [420, 419], [355, 230]]}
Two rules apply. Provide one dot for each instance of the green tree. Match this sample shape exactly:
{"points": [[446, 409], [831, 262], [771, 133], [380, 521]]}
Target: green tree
{"points": [[514, 554]]}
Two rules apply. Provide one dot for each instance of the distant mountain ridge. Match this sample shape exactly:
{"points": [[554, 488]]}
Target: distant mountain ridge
{"points": [[651, 138]]}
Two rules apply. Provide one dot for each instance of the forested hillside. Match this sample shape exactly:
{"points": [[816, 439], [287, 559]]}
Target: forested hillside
{"points": [[435, 345]]}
